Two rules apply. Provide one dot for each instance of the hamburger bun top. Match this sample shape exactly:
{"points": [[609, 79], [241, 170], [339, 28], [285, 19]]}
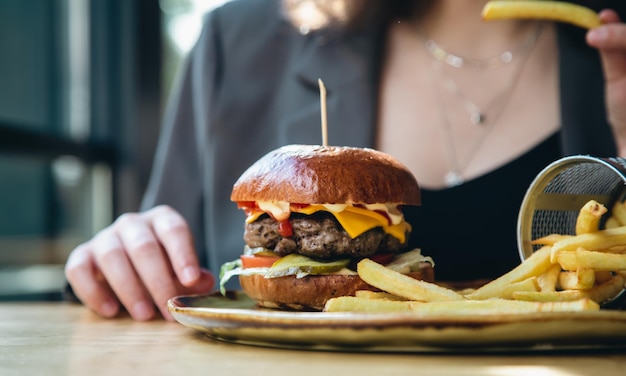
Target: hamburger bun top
{"points": [[313, 174]]}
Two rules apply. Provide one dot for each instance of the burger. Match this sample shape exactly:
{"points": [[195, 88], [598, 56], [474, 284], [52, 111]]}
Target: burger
{"points": [[312, 212]]}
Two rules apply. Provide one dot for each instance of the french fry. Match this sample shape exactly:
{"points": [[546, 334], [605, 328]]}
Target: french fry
{"points": [[618, 212], [502, 306], [603, 276], [528, 284], [600, 293], [581, 279], [607, 290], [550, 296], [589, 217], [376, 295], [399, 284], [550, 239], [616, 249], [612, 222], [595, 241], [545, 10], [456, 308], [534, 265], [572, 260], [361, 304], [547, 280]]}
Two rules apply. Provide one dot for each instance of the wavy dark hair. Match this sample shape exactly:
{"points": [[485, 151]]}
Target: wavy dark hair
{"points": [[351, 14]]}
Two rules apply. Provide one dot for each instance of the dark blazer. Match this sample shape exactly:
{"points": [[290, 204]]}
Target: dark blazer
{"points": [[250, 85]]}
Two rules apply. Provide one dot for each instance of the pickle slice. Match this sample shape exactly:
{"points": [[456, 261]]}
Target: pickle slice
{"points": [[300, 266]]}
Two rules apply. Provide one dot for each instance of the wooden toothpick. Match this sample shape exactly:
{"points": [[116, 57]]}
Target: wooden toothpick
{"points": [[323, 107]]}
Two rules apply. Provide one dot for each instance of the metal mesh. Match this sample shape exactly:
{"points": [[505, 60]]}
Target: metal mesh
{"points": [[554, 199], [591, 180]]}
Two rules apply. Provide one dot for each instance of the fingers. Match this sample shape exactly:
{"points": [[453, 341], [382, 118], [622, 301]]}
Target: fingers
{"points": [[111, 257], [150, 263], [174, 234], [89, 284], [610, 40], [610, 35], [140, 261], [205, 283]]}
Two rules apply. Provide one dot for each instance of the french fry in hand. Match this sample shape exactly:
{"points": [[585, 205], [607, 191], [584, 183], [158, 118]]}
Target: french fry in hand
{"points": [[589, 216], [399, 284], [581, 279], [457, 307], [533, 266], [560, 11], [599, 261], [596, 241]]}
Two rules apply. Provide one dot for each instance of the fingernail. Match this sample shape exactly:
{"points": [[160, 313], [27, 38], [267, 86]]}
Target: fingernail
{"points": [[142, 311], [108, 309], [598, 34], [190, 275]]}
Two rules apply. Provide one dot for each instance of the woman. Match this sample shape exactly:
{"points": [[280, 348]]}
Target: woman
{"points": [[475, 109]]}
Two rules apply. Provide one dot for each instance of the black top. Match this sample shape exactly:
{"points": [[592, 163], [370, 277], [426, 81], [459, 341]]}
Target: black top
{"points": [[470, 230]]}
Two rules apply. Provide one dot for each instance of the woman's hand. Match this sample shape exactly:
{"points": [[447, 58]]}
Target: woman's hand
{"points": [[610, 39], [140, 261]]}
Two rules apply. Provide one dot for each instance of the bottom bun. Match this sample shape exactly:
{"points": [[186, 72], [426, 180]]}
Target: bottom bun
{"points": [[309, 293]]}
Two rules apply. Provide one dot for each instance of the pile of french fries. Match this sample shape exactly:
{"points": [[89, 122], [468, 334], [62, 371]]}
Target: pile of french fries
{"points": [[568, 273]]}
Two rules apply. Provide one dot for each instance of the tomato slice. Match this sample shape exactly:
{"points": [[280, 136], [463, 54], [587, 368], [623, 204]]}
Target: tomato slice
{"points": [[257, 261], [382, 258]]}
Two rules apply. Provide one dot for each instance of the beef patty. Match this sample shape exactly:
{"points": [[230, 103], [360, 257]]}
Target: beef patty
{"points": [[318, 235]]}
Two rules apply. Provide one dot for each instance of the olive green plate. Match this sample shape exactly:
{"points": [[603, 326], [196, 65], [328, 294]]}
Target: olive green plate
{"points": [[236, 319]]}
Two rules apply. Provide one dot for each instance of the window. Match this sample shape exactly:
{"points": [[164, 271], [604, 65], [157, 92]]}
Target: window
{"points": [[80, 107]]}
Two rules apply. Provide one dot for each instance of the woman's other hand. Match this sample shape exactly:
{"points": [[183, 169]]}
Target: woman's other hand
{"points": [[610, 39], [140, 261]]}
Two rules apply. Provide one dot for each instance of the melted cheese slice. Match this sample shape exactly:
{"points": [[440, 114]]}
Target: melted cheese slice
{"points": [[354, 220]]}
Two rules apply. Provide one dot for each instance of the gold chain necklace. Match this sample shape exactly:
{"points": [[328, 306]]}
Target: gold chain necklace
{"points": [[477, 115], [493, 62], [455, 175]]}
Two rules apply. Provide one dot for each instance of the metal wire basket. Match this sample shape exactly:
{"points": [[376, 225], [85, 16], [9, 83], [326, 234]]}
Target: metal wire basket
{"points": [[554, 199]]}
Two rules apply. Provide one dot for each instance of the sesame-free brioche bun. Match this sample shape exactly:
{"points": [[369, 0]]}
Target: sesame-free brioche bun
{"points": [[315, 174]]}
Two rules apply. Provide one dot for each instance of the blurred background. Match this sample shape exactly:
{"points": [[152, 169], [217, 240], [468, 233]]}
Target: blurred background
{"points": [[83, 84]]}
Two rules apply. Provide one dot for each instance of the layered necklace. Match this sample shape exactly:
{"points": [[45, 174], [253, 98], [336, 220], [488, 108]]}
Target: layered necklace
{"points": [[483, 118]]}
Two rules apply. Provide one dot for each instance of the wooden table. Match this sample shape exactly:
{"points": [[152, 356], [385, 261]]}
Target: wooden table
{"points": [[67, 339]]}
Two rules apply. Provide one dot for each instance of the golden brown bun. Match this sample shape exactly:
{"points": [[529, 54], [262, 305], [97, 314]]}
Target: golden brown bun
{"points": [[312, 174], [310, 293]]}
